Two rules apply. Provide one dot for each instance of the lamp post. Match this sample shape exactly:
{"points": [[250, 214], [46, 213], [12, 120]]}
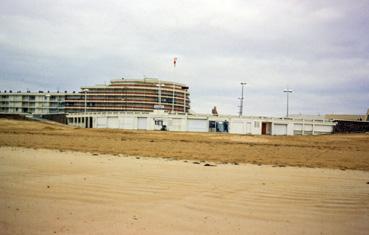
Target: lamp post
{"points": [[243, 84], [159, 93], [287, 91]]}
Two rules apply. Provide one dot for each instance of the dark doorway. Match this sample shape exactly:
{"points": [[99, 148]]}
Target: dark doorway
{"points": [[266, 128], [263, 128]]}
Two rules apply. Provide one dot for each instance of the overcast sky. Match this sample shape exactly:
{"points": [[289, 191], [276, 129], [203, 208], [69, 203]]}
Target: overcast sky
{"points": [[320, 49]]}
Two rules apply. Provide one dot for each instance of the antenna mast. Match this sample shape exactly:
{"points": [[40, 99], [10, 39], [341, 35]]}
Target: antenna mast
{"points": [[243, 84]]}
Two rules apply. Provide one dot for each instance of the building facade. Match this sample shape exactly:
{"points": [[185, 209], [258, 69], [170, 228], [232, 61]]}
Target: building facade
{"points": [[137, 95], [160, 120], [32, 102]]}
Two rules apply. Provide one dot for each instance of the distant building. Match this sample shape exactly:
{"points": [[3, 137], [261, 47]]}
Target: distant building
{"points": [[138, 95], [348, 117], [32, 102], [349, 123]]}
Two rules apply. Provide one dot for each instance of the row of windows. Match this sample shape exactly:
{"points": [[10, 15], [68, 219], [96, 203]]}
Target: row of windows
{"points": [[107, 109], [92, 104], [134, 89], [32, 97], [163, 88], [153, 85], [128, 100], [123, 95], [122, 99], [122, 102]]}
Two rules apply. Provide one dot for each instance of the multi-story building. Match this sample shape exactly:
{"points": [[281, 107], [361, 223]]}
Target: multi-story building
{"points": [[141, 95], [32, 102]]}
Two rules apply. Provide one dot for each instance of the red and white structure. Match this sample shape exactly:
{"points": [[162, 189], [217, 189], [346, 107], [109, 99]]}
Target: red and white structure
{"points": [[137, 95]]}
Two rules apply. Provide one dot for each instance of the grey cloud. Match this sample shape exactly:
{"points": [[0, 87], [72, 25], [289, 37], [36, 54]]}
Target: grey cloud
{"points": [[318, 48]]}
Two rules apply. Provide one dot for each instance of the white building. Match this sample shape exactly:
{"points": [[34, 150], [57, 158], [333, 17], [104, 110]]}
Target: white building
{"points": [[160, 120], [32, 102]]}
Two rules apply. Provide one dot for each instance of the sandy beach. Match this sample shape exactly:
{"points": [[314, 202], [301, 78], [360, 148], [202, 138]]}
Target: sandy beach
{"points": [[184, 117], [331, 151], [64, 192]]}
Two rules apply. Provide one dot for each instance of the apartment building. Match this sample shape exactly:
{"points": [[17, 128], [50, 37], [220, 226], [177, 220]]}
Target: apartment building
{"points": [[137, 95], [32, 102]]}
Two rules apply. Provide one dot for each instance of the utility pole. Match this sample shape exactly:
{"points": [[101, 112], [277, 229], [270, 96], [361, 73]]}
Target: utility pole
{"points": [[243, 84], [287, 91]]}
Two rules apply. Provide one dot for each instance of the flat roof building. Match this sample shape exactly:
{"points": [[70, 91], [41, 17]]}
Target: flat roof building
{"points": [[160, 120], [348, 117], [32, 102], [138, 95]]}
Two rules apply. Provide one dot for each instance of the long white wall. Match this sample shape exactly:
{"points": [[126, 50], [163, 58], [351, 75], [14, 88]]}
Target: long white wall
{"points": [[200, 123]]}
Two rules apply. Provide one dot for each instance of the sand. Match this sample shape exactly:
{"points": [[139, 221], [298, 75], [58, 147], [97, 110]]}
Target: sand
{"points": [[64, 192], [332, 151]]}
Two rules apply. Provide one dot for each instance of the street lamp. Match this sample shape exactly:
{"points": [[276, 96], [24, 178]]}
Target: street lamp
{"points": [[287, 91], [243, 84], [159, 93]]}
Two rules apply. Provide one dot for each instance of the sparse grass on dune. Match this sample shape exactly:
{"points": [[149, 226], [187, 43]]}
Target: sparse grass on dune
{"points": [[329, 151]]}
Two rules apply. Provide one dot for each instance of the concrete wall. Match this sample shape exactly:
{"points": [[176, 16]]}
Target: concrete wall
{"points": [[245, 126], [200, 123], [59, 117]]}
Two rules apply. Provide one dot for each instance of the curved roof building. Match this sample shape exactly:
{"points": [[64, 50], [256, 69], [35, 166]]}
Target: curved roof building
{"points": [[142, 95]]}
